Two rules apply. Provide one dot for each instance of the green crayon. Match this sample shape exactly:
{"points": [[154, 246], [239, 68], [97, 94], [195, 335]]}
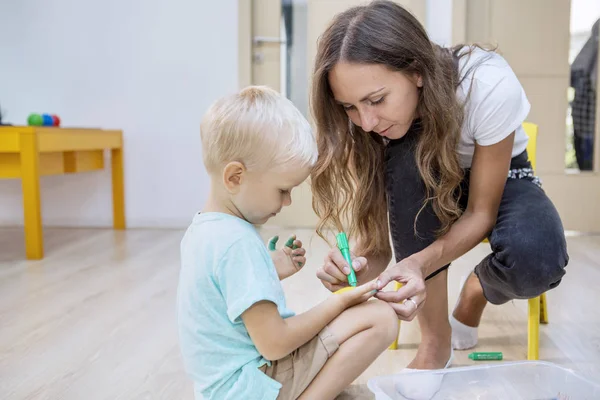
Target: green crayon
{"points": [[485, 356]]}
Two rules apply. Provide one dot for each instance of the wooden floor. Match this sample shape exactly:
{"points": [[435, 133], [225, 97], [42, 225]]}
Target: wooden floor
{"points": [[96, 318]]}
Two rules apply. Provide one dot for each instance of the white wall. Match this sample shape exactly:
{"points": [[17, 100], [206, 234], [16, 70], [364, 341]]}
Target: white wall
{"points": [[300, 68], [148, 67], [438, 21]]}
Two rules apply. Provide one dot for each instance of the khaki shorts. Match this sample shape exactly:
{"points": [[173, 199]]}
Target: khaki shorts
{"points": [[297, 370]]}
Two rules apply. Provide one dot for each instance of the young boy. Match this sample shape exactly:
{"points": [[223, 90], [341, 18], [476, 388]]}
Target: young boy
{"points": [[238, 338]]}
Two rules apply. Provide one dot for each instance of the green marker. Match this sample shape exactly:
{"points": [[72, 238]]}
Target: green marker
{"points": [[486, 356], [342, 242]]}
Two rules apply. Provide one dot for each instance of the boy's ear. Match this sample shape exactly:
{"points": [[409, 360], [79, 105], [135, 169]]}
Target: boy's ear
{"points": [[233, 174]]}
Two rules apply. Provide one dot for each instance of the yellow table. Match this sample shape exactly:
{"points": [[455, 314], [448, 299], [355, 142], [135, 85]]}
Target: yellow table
{"points": [[28, 152]]}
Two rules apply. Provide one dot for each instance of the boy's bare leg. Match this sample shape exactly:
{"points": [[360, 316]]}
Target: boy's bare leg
{"points": [[363, 333]]}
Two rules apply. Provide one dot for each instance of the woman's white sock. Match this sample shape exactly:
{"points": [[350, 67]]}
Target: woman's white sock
{"points": [[463, 336]]}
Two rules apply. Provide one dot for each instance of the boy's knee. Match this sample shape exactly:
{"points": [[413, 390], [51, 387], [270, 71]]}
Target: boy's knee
{"points": [[384, 320]]}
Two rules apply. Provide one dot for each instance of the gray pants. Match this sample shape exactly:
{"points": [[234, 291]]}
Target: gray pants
{"points": [[529, 250]]}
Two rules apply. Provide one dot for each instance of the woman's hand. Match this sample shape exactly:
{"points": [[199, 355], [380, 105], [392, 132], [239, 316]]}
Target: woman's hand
{"points": [[334, 272], [409, 299]]}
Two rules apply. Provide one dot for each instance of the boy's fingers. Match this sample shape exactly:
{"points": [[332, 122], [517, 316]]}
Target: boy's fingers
{"points": [[300, 261], [366, 288], [290, 242], [273, 243], [389, 296], [299, 252], [369, 294]]}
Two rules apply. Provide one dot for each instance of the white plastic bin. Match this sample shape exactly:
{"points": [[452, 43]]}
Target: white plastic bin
{"points": [[528, 380]]}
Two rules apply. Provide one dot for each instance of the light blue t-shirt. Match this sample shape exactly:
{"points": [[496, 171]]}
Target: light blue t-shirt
{"points": [[225, 269]]}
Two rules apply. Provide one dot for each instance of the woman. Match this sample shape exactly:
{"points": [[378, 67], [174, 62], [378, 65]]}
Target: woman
{"points": [[431, 138]]}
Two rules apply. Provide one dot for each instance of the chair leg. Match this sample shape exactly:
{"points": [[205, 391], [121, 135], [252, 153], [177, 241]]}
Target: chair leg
{"points": [[543, 309], [394, 345], [533, 328]]}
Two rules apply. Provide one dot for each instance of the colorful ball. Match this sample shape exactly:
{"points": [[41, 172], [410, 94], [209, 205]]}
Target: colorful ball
{"points": [[35, 120], [48, 121], [56, 120]]}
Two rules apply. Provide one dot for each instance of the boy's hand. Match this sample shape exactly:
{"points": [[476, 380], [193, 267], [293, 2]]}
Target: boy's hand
{"points": [[289, 259], [351, 296]]}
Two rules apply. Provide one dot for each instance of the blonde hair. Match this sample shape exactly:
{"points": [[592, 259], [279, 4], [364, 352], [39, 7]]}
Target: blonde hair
{"points": [[259, 128]]}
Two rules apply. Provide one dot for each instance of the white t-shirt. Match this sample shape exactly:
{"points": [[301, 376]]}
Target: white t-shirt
{"points": [[497, 105]]}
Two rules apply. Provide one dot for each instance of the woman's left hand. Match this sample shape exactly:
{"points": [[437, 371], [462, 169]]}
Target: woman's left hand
{"points": [[409, 299]]}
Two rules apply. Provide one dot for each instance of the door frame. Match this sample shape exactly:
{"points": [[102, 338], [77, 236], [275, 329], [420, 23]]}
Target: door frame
{"points": [[244, 43]]}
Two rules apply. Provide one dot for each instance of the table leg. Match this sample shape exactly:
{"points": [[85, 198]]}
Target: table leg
{"points": [[533, 329], [30, 181], [118, 189]]}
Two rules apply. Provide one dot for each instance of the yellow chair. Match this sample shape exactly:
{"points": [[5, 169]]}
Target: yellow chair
{"points": [[538, 309]]}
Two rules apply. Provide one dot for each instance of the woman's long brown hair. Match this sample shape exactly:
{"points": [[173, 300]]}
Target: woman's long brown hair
{"points": [[348, 181]]}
